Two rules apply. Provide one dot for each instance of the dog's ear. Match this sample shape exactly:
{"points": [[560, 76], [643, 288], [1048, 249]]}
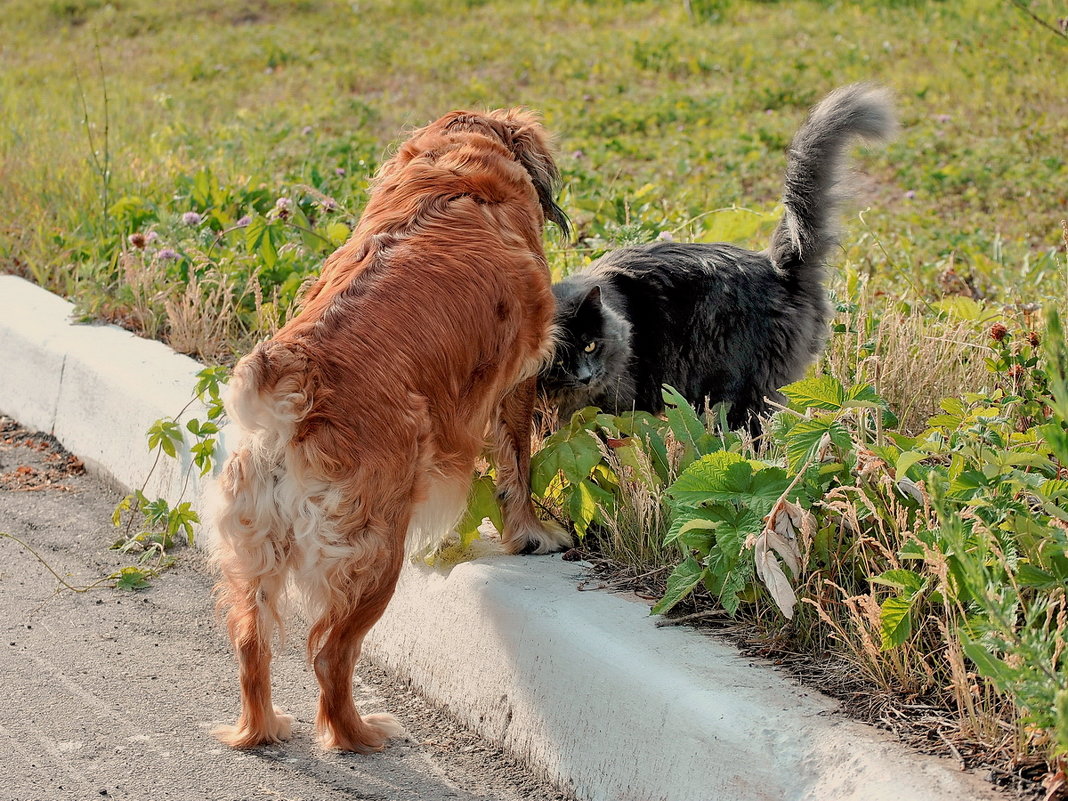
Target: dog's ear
{"points": [[531, 146]]}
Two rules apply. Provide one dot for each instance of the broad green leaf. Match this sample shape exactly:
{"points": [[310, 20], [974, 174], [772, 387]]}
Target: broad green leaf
{"points": [[130, 578], [574, 457], [633, 455], [680, 584], [907, 459], [698, 534], [895, 621], [166, 434], [481, 503], [862, 395], [907, 582], [261, 237], [805, 437], [337, 233], [586, 498], [685, 516], [959, 308], [821, 392], [708, 474]]}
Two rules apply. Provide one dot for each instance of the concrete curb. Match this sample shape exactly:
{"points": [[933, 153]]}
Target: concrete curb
{"points": [[581, 685]]}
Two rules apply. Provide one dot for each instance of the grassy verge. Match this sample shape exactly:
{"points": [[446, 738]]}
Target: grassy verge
{"points": [[182, 169]]}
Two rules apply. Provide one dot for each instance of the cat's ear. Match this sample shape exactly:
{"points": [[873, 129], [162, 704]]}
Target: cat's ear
{"points": [[592, 301]]}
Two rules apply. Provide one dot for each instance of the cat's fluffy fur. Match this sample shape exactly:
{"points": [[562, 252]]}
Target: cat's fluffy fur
{"points": [[715, 321]]}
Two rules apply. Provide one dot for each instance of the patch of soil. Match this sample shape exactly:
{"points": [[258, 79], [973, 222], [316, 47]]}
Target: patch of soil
{"points": [[39, 463]]}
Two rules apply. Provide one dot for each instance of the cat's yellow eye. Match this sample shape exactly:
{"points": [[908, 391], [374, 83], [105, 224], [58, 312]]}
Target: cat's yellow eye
{"points": [[591, 347]]}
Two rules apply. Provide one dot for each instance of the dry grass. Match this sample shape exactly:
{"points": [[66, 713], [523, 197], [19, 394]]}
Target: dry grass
{"points": [[912, 358]]}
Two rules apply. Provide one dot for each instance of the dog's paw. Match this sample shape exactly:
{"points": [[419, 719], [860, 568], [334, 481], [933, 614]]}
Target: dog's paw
{"points": [[276, 727], [371, 735], [539, 537]]}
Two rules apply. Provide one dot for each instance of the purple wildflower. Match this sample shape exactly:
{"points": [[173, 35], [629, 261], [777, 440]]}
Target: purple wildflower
{"points": [[191, 218], [910, 194], [307, 129], [283, 207], [167, 254], [340, 172], [243, 221], [943, 118], [151, 237]]}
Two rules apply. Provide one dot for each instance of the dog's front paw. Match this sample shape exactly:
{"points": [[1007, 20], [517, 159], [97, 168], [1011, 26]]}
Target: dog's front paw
{"points": [[275, 727], [366, 735], [537, 537]]}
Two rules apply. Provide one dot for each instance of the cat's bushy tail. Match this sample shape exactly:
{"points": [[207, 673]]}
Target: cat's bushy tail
{"points": [[813, 187]]}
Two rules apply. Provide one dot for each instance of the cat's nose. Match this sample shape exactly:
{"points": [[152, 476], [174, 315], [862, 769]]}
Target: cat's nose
{"points": [[584, 376]]}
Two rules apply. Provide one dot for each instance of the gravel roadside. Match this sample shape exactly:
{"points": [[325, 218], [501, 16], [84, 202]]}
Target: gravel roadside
{"points": [[111, 694]]}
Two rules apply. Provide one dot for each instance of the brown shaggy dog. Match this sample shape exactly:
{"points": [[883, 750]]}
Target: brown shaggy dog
{"points": [[363, 418]]}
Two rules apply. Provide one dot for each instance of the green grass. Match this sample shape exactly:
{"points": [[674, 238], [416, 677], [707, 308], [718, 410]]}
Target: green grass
{"points": [[116, 119], [660, 117]]}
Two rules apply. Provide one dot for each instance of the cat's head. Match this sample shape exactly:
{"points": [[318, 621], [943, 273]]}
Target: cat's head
{"points": [[592, 341]]}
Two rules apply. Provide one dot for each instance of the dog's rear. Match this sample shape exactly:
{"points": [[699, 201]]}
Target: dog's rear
{"points": [[363, 418]]}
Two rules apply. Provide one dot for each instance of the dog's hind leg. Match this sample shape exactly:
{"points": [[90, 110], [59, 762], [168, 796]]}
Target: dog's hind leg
{"points": [[523, 531], [254, 567], [339, 635], [250, 622]]}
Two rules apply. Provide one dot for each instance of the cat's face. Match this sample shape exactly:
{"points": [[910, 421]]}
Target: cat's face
{"points": [[591, 343]]}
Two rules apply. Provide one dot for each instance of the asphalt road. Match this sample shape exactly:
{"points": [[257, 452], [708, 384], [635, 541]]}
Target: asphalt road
{"points": [[111, 694]]}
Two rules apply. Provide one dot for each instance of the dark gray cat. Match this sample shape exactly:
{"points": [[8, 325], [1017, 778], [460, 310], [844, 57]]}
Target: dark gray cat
{"points": [[715, 321]]}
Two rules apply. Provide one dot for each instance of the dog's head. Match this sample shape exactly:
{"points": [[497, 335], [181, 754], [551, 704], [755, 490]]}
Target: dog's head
{"points": [[521, 132]]}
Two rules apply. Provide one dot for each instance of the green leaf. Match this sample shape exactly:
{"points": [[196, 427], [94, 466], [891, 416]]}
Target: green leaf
{"points": [[698, 534], [122, 506], [821, 392], [574, 456], [260, 238], [130, 578], [804, 439], [683, 420], [337, 233], [182, 518], [907, 459], [895, 621], [205, 188], [209, 380], [481, 503], [862, 395], [905, 581], [585, 500], [681, 519], [989, 666], [203, 455], [710, 473], [165, 434], [680, 584], [155, 511]]}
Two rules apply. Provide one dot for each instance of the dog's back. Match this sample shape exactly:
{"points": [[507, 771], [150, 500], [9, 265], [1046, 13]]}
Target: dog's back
{"points": [[364, 416]]}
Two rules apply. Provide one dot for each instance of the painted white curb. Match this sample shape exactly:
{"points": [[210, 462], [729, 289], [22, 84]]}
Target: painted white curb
{"points": [[581, 685]]}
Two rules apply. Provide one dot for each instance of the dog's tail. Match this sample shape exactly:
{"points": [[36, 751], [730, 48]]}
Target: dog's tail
{"points": [[813, 188], [271, 389]]}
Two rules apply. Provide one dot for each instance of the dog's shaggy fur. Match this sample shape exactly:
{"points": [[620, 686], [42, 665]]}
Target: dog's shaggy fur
{"points": [[363, 418]]}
